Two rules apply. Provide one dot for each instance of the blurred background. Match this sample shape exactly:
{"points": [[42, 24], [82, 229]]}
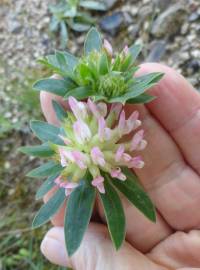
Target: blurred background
{"points": [[170, 33]]}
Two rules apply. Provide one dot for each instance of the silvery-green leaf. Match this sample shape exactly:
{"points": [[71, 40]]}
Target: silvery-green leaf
{"points": [[63, 34], [93, 41], [55, 86], [42, 150], [114, 213], [143, 98], [59, 111], [135, 193], [95, 5], [135, 49], [80, 93], [46, 132], [46, 186], [78, 213], [49, 209], [46, 169]]}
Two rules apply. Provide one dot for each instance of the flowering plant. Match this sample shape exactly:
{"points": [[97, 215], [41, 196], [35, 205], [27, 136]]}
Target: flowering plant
{"points": [[90, 153]]}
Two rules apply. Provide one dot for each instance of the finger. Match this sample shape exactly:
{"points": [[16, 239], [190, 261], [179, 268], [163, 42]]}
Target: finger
{"points": [[178, 251], [47, 107], [95, 253], [177, 107]]}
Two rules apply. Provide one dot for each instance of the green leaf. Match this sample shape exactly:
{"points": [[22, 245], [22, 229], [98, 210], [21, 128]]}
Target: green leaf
{"points": [[80, 27], [71, 60], [55, 86], [93, 41], [42, 150], [143, 98], [135, 49], [46, 169], [49, 209], [114, 213], [46, 186], [59, 111], [103, 64], [79, 93], [63, 34], [78, 213], [46, 132], [139, 87], [93, 5], [135, 193]]}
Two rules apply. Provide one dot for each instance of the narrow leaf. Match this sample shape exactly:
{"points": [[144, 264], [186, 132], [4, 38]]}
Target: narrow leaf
{"points": [[71, 60], [55, 86], [81, 92], [143, 98], [136, 194], [46, 186], [63, 34], [114, 214], [46, 132], [42, 150], [49, 209], [59, 111], [103, 64], [78, 213], [46, 169], [135, 49], [93, 41], [94, 5]]}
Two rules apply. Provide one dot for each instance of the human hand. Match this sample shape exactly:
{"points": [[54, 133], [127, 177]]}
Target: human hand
{"points": [[171, 176]]}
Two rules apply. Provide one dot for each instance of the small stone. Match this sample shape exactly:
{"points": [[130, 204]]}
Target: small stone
{"points": [[195, 53], [14, 27], [158, 48], [185, 28], [193, 17], [112, 23], [193, 66], [110, 3], [169, 22], [133, 30], [163, 4]]}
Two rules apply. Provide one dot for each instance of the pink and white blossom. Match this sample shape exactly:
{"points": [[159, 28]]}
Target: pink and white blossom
{"points": [[94, 142]]}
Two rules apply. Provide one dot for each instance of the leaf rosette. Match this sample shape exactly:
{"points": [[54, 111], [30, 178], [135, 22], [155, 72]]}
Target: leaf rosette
{"points": [[99, 73]]}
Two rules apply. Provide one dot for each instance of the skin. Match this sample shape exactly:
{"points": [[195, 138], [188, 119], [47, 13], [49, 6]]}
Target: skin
{"points": [[171, 176]]}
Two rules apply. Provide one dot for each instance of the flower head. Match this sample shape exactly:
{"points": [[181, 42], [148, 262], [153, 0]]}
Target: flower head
{"points": [[94, 142]]}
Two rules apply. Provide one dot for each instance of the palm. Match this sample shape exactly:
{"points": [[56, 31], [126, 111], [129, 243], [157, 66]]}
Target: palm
{"points": [[171, 177]]}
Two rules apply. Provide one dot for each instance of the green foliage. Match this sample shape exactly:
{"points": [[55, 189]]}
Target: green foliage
{"points": [[114, 213], [135, 193], [98, 74], [78, 213], [42, 150], [50, 208], [59, 111], [71, 14], [46, 169], [46, 186]]}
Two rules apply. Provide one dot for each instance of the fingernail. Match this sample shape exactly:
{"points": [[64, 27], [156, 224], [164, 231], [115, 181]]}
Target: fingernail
{"points": [[54, 251]]}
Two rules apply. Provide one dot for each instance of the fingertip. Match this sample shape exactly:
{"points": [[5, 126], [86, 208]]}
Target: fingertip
{"points": [[53, 247]]}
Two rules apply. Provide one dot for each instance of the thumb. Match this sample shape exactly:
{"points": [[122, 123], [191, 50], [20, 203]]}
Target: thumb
{"points": [[95, 253]]}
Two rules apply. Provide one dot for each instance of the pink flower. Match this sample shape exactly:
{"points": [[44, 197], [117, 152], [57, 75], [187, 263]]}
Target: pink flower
{"points": [[94, 142], [98, 183], [108, 47]]}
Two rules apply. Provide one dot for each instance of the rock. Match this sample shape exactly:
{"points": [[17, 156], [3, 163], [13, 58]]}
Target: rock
{"points": [[163, 4], [110, 3], [158, 48], [193, 66], [193, 17], [133, 30], [112, 23], [14, 27], [169, 22]]}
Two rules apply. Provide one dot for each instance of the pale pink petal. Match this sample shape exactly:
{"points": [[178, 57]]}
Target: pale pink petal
{"points": [[136, 162], [65, 140], [126, 50], [142, 145], [136, 140], [116, 173], [57, 181], [107, 133], [98, 183], [79, 159], [68, 191], [97, 156], [122, 122], [81, 131], [119, 153], [78, 108], [116, 108], [93, 108], [62, 157], [126, 157], [101, 127], [108, 47]]}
